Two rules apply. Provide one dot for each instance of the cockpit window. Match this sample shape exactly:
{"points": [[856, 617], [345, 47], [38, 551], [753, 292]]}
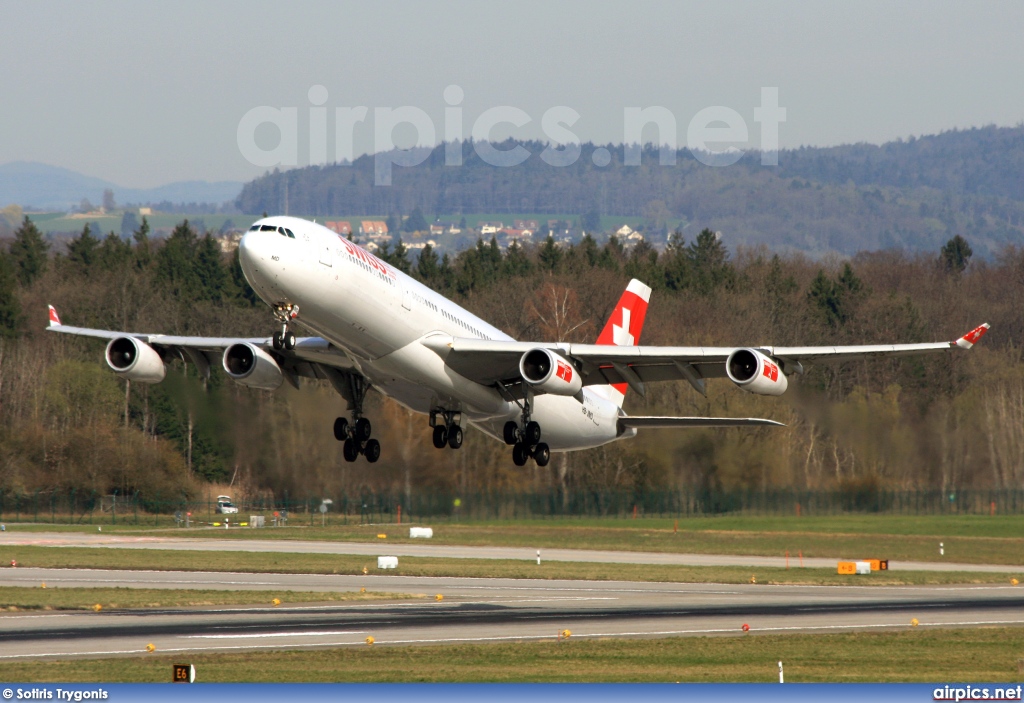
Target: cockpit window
{"points": [[290, 233], [268, 228], [254, 228]]}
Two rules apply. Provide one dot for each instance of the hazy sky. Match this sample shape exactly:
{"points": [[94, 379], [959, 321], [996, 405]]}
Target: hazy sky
{"points": [[147, 93]]}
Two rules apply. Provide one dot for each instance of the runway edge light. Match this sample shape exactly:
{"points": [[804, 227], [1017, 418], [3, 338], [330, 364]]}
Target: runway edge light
{"points": [[183, 673]]}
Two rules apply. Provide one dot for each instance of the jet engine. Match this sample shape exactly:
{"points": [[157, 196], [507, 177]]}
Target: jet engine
{"points": [[550, 373], [135, 360], [251, 366], [755, 373]]}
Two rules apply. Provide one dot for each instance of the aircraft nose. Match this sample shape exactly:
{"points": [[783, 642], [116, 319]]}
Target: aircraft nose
{"points": [[254, 247]]}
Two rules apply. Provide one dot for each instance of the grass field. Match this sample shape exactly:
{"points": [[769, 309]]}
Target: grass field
{"points": [[974, 539], [284, 562], [17, 598], [914, 655]]}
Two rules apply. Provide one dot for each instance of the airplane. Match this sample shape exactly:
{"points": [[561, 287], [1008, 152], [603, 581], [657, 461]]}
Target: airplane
{"points": [[377, 328]]}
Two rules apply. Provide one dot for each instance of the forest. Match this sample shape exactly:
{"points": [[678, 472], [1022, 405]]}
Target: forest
{"points": [[952, 421], [914, 194]]}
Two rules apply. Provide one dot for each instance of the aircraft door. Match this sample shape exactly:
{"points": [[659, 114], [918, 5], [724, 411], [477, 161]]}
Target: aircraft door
{"points": [[406, 298]]}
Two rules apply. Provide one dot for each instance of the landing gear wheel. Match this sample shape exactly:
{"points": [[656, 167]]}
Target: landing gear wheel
{"points": [[372, 451], [351, 450], [455, 437], [363, 430], [440, 436], [510, 432], [341, 429], [277, 342], [531, 435], [520, 454], [541, 454], [289, 340]]}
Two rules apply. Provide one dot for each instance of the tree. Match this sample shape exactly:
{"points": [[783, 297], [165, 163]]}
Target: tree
{"points": [[209, 270], [549, 256], [399, 258], [28, 252], [676, 263], [82, 249], [591, 220], [709, 262], [415, 222], [113, 253], [426, 266], [175, 263], [10, 308], [392, 224], [129, 223], [143, 256], [109, 204], [955, 255]]}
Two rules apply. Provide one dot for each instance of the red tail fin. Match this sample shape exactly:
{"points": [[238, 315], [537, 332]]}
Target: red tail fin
{"points": [[623, 329]]}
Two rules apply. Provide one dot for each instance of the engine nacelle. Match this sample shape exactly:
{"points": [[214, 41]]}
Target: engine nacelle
{"points": [[549, 372], [251, 366], [135, 360], [755, 373]]}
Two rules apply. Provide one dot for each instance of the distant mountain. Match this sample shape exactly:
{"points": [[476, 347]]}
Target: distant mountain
{"points": [[28, 183], [911, 194]]}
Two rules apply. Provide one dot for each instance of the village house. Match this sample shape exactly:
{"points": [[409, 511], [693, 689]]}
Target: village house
{"points": [[342, 227], [375, 229]]}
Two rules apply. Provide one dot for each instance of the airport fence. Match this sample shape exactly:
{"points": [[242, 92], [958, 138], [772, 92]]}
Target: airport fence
{"points": [[83, 507]]}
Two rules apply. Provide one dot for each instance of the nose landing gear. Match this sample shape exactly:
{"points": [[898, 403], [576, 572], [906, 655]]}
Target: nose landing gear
{"points": [[284, 314]]}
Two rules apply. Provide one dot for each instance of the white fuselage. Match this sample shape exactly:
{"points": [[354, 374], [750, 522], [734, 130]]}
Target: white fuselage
{"points": [[378, 315]]}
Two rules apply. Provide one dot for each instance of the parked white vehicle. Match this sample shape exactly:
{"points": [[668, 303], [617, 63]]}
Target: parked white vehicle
{"points": [[225, 506]]}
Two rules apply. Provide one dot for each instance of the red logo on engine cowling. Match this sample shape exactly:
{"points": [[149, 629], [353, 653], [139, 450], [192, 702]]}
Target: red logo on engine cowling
{"points": [[771, 371], [564, 372]]}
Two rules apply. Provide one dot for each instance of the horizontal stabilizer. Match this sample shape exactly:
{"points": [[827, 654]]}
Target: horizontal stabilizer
{"points": [[642, 422]]}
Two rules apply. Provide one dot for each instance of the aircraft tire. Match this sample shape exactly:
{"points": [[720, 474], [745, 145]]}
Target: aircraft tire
{"points": [[531, 435], [520, 454], [440, 436], [542, 454], [363, 429], [341, 429], [372, 451], [351, 450], [510, 432], [455, 437]]}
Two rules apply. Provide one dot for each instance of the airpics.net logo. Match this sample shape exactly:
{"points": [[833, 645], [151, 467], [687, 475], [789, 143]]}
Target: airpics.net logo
{"points": [[712, 135]]}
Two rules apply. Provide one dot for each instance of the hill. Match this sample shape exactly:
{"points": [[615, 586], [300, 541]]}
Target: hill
{"points": [[912, 194], [37, 185]]}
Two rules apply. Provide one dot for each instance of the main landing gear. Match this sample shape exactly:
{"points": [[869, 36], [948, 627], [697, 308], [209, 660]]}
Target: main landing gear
{"points": [[447, 431], [526, 442], [285, 339], [356, 435]]}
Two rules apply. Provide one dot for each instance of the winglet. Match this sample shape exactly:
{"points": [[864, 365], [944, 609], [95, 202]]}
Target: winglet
{"points": [[54, 320], [972, 337]]}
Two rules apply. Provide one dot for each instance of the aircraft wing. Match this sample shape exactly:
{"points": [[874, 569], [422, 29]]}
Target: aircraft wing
{"points": [[650, 422], [493, 361], [308, 358]]}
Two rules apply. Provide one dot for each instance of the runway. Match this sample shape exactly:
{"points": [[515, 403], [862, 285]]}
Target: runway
{"points": [[82, 539], [474, 610]]}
